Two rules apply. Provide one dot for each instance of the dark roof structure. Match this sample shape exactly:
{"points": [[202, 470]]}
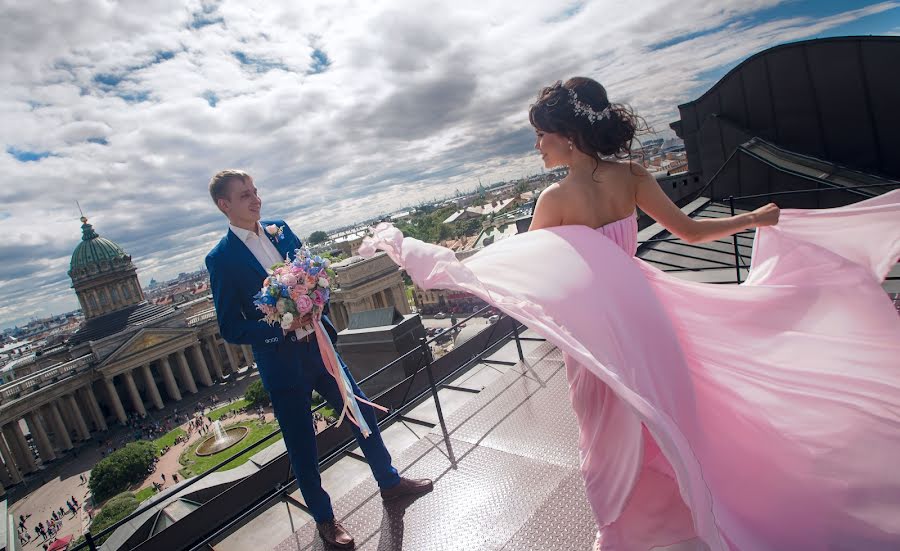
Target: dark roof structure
{"points": [[830, 103], [113, 322]]}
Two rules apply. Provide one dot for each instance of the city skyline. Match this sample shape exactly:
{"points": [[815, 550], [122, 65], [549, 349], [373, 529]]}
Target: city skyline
{"points": [[338, 111]]}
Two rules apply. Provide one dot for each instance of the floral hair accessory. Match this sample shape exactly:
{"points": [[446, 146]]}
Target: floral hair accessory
{"points": [[586, 110]]}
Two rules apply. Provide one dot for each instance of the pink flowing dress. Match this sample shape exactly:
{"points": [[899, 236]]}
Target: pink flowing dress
{"points": [[752, 417]]}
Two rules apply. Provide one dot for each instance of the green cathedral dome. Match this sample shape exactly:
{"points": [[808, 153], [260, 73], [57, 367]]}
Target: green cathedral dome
{"points": [[95, 254]]}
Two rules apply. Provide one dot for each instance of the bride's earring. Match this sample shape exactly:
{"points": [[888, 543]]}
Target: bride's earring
{"points": [[571, 147]]}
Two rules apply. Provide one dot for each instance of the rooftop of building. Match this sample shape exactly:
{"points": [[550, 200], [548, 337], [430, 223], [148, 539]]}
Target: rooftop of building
{"points": [[506, 472], [114, 322]]}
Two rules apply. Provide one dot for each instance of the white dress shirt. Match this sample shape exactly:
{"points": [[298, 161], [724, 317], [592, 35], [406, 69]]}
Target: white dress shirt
{"points": [[259, 244], [267, 256]]}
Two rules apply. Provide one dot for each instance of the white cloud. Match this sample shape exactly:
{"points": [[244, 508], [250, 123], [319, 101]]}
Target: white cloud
{"points": [[138, 106]]}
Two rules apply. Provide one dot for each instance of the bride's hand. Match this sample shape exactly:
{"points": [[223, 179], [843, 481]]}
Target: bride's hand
{"points": [[766, 215]]}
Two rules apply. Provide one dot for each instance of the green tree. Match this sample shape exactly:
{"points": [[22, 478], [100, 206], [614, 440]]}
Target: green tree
{"points": [[115, 510], [125, 466], [316, 398], [317, 237], [256, 394]]}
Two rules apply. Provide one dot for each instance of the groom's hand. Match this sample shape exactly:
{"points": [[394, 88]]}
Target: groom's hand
{"points": [[301, 322]]}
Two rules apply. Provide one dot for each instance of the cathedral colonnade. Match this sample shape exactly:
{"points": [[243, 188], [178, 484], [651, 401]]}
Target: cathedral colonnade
{"points": [[49, 429]]}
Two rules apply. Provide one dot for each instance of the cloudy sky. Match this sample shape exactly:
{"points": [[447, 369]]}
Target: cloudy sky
{"points": [[341, 110]]}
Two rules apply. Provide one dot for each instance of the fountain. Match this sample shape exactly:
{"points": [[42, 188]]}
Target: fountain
{"points": [[221, 439]]}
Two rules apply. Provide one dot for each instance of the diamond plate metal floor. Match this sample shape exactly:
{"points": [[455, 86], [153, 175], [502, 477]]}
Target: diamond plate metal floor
{"points": [[514, 483]]}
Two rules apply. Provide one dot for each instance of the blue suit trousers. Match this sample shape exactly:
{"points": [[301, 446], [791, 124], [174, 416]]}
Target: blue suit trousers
{"points": [[292, 406]]}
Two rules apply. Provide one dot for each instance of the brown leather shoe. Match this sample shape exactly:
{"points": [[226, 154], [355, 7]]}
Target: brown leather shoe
{"points": [[407, 487], [334, 534]]}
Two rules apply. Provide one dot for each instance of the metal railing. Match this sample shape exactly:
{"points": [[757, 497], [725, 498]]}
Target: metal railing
{"points": [[740, 259], [732, 199], [426, 361], [201, 317]]}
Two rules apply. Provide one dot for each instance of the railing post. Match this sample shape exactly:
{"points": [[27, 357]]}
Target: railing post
{"points": [[518, 342], [734, 238], [90, 541], [426, 356]]}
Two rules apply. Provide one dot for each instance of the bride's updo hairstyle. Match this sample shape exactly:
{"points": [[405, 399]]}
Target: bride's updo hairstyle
{"points": [[581, 111]]}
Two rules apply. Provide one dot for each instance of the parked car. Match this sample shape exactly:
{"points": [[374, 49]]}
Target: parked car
{"points": [[494, 319], [440, 316]]}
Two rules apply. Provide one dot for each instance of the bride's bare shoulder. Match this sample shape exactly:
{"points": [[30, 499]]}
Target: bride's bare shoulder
{"points": [[630, 169]]}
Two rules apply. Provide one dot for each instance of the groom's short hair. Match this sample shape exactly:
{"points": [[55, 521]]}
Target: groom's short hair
{"points": [[218, 186]]}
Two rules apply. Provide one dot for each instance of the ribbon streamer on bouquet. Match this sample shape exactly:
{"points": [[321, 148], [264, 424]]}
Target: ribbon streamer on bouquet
{"points": [[351, 406]]}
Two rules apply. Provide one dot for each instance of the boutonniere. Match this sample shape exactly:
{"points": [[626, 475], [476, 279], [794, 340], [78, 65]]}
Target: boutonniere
{"points": [[277, 232]]}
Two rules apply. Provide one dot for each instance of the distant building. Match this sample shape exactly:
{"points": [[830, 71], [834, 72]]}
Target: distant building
{"points": [[366, 284], [494, 207], [129, 356]]}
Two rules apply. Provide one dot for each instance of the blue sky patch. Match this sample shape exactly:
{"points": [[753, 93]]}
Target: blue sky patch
{"points": [[211, 98], [25, 156], [108, 79], [320, 62], [135, 97], [258, 64]]}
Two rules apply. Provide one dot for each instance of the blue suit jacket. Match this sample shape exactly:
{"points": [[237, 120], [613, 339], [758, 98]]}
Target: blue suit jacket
{"points": [[235, 276]]}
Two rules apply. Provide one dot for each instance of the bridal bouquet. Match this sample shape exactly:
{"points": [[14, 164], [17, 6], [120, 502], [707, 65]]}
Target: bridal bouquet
{"points": [[299, 287], [294, 289]]}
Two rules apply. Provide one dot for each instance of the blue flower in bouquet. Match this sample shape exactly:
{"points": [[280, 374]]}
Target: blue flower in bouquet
{"points": [[268, 299], [285, 292]]}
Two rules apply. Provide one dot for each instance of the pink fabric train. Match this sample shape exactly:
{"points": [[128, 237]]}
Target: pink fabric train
{"points": [[760, 416]]}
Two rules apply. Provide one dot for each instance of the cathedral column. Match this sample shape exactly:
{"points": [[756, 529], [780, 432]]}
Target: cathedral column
{"points": [[133, 393], [84, 406], [150, 384], [41, 440], [186, 376], [5, 478], [10, 461], [115, 402], [20, 447], [63, 440], [94, 408], [248, 354], [169, 378], [232, 359], [80, 426], [214, 355], [400, 294], [137, 290], [200, 364]]}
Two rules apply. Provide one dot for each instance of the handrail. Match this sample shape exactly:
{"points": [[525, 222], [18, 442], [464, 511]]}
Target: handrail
{"points": [[815, 190]]}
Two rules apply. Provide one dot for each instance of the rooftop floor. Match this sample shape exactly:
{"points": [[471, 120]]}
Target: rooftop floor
{"points": [[509, 479]]}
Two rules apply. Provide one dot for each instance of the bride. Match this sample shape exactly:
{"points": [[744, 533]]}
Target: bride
{"points": [[761, 416]]}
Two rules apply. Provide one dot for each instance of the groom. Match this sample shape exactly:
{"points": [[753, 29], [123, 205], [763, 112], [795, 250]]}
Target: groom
{"points": [[290, 364]]}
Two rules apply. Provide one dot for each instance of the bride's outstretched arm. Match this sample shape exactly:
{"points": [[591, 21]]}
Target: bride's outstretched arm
{"points": [[652, 200]]}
